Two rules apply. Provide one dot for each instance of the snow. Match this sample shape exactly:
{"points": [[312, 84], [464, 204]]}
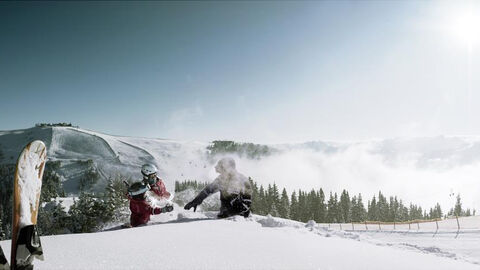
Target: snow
{"points": [[188, 240], [66, 202], [447, 241], [406, 167], [29, 182]]}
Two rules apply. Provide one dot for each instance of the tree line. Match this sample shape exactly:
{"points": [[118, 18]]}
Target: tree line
{"points": [[90, 211], [250, 150], [334, 208], [62, 124]]}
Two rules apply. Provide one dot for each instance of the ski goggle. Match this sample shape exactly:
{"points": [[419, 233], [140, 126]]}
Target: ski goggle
{"points": [[138, 191], [152, 178]]}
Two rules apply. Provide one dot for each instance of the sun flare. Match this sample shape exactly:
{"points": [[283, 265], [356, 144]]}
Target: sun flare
{"points": [[466, 26]]}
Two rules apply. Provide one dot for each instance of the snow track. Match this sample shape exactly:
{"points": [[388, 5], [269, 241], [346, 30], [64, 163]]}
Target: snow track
{"points": [[463, 250], [188, 240], [70, 143]]}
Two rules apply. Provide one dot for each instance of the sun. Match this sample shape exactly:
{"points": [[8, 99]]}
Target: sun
{"points": [[466, 26]]}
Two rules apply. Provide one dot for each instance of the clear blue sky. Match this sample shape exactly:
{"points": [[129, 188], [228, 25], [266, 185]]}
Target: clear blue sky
{"points": [[248, 71]]}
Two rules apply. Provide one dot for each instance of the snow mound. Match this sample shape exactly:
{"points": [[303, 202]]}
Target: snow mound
{"points": [[271, 222]]}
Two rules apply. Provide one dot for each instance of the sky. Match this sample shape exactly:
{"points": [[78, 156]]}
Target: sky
{"points": [[266, 72]]}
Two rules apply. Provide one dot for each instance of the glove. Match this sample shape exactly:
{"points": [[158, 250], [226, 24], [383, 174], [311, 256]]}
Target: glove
{"points": [[198, 200], [168, 208], [191, 204]]}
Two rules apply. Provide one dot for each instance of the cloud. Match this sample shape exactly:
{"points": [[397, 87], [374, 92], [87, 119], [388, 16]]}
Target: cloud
{"points": [[361, 168]]}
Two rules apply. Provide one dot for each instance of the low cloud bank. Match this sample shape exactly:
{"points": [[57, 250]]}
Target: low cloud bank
{"points": [[365, 168]]}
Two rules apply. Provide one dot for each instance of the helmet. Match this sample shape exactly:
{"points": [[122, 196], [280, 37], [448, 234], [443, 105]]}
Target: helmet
{"points": [[148, 169], [137, 188], [225, 165]]}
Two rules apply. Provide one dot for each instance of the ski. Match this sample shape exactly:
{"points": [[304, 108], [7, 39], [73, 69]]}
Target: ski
{"points": [[3, 261], [26, 198]]}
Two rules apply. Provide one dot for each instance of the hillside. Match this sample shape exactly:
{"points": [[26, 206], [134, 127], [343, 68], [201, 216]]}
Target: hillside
{"points": [[419, 170], [79, 150]]}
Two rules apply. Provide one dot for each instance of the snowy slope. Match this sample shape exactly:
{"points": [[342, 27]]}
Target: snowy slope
{"points": [[190, 240], [450, 239], [111, 155], [419, 170]]}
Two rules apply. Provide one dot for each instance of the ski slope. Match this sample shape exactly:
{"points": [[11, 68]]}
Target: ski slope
{"points": [[450, 239], [187, 240], [423, 171], [110, 155]]}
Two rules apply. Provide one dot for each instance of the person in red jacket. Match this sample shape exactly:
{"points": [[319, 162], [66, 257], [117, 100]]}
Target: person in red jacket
{"points": [[157, 187], [139, 207]]}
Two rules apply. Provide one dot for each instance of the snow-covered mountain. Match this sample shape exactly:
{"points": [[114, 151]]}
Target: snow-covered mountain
{"points": [[110, 155], [188, 240], [419, 170]]}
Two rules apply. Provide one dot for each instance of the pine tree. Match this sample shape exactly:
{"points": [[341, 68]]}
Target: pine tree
{"points": [[383, 208], [284, 205], [412, 211], [332, 213], [52, 219], [458, 207], [403, 214], [358, 209], [294, 207], [345, 207], [262, 204], [114, 200], [312, 205], [275, 199], [394, 210], [437, 211], [177, 186], [87, 214], [361, 207], [51, 182], [338, 211], [302, 207], [372, 214], [269, 200], [255, 207], [322, 207], [273, 210]]}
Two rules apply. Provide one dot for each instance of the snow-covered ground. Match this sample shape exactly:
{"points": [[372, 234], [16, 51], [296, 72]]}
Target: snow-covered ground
{"points": [[188, 240], [423, 171], [446, 241]]}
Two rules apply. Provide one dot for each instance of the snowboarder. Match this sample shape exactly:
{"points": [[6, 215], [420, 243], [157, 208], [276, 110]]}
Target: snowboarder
{"points": [[140, 208], [235, 191], [150, 178]]}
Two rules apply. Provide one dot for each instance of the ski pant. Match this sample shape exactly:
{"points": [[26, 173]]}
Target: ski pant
{"points": [[235, 204]]}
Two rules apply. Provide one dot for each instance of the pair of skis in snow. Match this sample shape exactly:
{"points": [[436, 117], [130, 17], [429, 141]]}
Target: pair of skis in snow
{"points": [[26, 198]]}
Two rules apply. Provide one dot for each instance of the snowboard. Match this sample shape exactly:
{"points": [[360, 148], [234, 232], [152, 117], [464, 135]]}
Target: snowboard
{"points": [[26, 198], [3, 261]]}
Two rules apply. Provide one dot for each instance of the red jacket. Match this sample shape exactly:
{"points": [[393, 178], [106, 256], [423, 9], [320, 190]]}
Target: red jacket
{"points": [[141, 211], [159, 189]]}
